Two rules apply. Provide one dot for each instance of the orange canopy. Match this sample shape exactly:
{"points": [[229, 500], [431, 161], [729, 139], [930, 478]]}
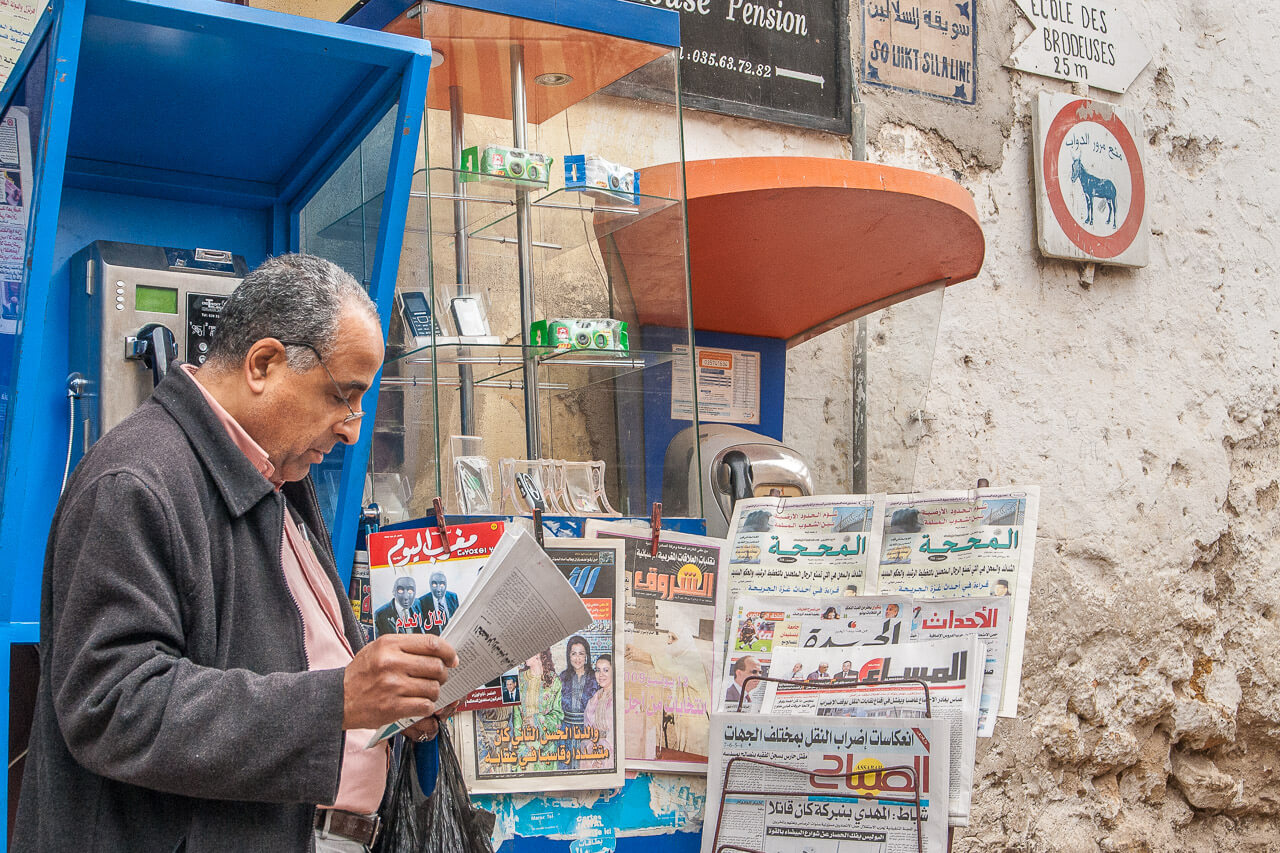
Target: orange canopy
{"points": [[789, 247]]}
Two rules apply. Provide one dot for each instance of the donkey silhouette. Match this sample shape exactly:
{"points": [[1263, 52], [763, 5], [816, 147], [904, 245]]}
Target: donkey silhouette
{"points": [[1094, 188]]}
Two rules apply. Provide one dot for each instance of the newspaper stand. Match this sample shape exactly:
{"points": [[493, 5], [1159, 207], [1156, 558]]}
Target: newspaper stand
{"points": [[909, 771]]}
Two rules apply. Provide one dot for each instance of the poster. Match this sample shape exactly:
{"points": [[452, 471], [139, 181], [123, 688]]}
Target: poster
{"points": [[15, 167], [728, 385]]}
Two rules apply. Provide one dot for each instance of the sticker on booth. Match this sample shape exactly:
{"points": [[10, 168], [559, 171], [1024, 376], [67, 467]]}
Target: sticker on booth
{"points": [[1091, 191]]}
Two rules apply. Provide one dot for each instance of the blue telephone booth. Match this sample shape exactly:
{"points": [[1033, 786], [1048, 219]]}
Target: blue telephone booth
{"points": [[186, 124]]}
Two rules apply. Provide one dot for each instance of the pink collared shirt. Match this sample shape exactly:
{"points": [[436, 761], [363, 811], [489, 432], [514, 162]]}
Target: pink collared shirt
{"points": [[364, 771]]}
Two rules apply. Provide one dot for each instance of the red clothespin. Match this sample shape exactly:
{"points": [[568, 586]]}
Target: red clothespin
{"points": [[438, 505], [655, 528], [537, 526]]}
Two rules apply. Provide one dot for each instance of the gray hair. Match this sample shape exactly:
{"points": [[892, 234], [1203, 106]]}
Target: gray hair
{"points": [[289, 297]]}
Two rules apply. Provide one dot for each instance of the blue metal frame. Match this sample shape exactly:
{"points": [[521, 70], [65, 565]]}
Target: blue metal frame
{"points": [[609, 17], [34, 42], [15, 532], [382, 287], [64, 35]]}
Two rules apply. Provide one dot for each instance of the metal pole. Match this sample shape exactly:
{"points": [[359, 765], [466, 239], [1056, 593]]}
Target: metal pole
{"points": [[466, 382], [858, 368], [524, 249]]}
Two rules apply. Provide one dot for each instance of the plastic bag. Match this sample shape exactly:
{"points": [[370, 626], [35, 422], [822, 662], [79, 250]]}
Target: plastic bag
{"points": [[450, 823], [445, 822], [401, 832]]}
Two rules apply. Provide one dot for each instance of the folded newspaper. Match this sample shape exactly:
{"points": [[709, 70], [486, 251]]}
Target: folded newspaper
{"points": [[814, 784], [520, 605], [952, 670]]}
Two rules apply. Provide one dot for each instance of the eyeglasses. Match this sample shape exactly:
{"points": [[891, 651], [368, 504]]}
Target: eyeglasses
{"points": [[354, 415]]}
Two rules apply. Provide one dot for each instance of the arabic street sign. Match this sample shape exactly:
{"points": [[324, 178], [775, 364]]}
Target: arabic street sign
{"points": [[1091, 192], [1082, 42], [929, 47]]}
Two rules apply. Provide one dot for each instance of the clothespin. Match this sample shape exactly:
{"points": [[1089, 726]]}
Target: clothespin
{"points": [[438, 506], [655, 528], [537, 526]]}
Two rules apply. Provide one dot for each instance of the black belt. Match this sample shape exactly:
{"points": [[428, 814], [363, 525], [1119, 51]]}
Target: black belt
{"points": [[357, 827]]}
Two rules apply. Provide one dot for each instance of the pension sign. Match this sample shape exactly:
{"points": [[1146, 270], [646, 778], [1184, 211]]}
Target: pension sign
{"points": [[785, 61]]}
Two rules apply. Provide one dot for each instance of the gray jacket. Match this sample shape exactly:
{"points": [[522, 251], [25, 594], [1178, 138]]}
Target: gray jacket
{"points": [[175, 710]]}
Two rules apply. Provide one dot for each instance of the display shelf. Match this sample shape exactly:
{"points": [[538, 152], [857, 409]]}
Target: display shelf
{"points": [[499, 365], [491, 212], [542, 76]]}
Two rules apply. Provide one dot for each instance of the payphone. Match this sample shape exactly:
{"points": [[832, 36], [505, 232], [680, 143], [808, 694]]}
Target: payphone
{"points": [[738, 464], [135, 308]]}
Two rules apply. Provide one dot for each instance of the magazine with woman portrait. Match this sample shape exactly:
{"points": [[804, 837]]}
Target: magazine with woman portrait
{"points": [[562, 729]]}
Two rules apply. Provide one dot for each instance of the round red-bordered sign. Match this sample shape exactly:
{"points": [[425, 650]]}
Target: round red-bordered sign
{"points": [[1091, 244]]}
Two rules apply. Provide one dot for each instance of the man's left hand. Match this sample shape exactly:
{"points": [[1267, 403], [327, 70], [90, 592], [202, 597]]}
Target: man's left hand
{"points": [[428, 727], [424, 730]]}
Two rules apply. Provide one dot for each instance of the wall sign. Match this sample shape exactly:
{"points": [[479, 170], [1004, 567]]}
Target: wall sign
{"points": [[1091, 191], [1083, 42], [784, 61], [929, 47]]}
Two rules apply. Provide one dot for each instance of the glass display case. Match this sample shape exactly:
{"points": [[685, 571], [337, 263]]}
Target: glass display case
{"points": [[543, 290]]}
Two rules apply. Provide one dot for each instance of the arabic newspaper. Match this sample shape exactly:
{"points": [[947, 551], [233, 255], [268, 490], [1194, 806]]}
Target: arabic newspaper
{"points": [[561, 729], [523, 604], [417, 584], [762, 624], [964, 544], [863, 813], [985, 618], [949, 668], [670, 628], [815, 546]]}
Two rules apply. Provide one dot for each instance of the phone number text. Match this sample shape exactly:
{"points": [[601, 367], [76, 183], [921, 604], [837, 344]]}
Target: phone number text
{"points": [[732, 63]]}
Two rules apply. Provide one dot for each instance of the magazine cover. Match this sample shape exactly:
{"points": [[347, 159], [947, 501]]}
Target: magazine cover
{"points": [[559, 727], [416, 584], [671, 602]]}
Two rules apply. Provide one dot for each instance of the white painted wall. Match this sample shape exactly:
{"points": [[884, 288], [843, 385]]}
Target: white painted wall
{"points": [[1145, 406]]}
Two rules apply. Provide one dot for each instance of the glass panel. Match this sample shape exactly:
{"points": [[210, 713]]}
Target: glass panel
{"points": [[597, 249], [19, 149], [404, 466], [899, 345], [340, 223]]}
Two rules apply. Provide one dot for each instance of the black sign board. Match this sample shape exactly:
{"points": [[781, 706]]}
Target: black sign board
{"points": [[785, 61]]}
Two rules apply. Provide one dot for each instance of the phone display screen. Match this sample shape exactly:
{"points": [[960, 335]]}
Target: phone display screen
{"points": [[158, 300]]}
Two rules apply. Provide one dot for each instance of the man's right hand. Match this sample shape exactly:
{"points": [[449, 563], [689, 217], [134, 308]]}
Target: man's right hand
{"points": [[395, 676]]}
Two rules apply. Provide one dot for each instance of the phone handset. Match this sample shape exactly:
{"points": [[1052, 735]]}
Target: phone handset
{"points": [[155, 345]]}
